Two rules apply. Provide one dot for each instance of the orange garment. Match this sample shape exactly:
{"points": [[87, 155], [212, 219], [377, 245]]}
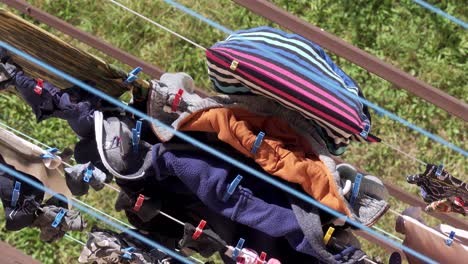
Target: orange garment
{"points": [[283, 152]]}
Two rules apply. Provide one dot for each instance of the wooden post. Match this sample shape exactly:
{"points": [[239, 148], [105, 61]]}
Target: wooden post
{"points": [[11, 255], [61, 55]]}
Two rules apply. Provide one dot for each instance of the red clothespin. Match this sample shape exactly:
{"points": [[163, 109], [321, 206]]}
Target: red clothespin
{"points": [[39, 86], [176, 102], [139, 203], [261, 259], [199, 230]]}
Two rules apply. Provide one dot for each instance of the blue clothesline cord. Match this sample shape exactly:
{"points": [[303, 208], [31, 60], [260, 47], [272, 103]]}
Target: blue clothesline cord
{"points": [[210, 150], [134, 234], [442, 13], [329, 84]]}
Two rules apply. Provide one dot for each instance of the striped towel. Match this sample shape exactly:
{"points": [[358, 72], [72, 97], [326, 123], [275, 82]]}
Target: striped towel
{"points": [[296, 73]]}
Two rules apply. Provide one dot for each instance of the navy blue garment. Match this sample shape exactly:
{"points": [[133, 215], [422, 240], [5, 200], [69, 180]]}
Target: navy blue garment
{"points": [[24, 213], [178, 201], [72, 104], [207, 177]]}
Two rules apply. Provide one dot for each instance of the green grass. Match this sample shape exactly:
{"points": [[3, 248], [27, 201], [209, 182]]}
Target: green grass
{"points": [[402, 33]]}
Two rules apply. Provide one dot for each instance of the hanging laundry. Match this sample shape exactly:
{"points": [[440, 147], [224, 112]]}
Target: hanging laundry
{"points": [[244, 63], [145, 207], [436, 184], [428, 241], [106, 247], [47, 217], [29, 200], [79, 177], [8, 69], [207, 244], [249, 256], [279, 136], [448, 205], [25, 157]]}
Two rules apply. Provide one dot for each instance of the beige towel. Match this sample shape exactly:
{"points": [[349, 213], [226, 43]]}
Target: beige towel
{"points": [[25, 157]]}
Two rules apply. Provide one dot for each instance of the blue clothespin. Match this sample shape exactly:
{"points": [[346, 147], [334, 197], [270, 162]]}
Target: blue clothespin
{"points": [[49, 153], [365, 132], [356, 187], [59, 218], [238, 248], [439, 170], [136, 133], [449, 241], [88, 173], [132, 76], [15, 194], [232, 187], [258, 142], [128, 252]]}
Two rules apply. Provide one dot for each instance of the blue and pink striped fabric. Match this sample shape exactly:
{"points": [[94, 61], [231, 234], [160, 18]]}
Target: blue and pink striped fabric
{"points": [[295, 72]]}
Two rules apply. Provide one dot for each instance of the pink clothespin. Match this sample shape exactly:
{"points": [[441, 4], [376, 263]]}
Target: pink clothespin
{"points": [[261, 259], [139, 203], [39, 86], [176, 102], [199, 230]]}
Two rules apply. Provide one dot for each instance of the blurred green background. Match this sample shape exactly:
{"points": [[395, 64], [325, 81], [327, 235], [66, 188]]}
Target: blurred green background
{"points": [[402, 33]]}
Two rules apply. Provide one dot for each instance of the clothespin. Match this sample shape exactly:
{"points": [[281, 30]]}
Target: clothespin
{"points": [[238, 248], [15, 194], [258, 142], [136, 133], [128, 252], [199, 230], [449, 241], [328, 235], [365, 132], [139, 203], [261, 259], [49, 153], [132, 76], [39, 86], [88, 173], [232, 187], [234, 65], [59, 218], [439, 170], [176, 102], [356, 187]]}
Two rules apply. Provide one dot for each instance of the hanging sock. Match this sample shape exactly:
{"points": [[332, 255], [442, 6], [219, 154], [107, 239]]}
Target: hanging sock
{"points": [[207, 244], [76, 176], [436, 184], [145, 207], [105, 246], [448, 205], [55, 221], [8, 69]]}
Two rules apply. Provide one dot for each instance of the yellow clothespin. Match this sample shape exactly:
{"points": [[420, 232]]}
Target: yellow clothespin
{"points": [[328, 235], [234, 65]]}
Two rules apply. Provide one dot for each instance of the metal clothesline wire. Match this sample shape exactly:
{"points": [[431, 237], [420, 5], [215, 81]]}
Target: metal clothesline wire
{"points": [[442, 13], [215, 152]]}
